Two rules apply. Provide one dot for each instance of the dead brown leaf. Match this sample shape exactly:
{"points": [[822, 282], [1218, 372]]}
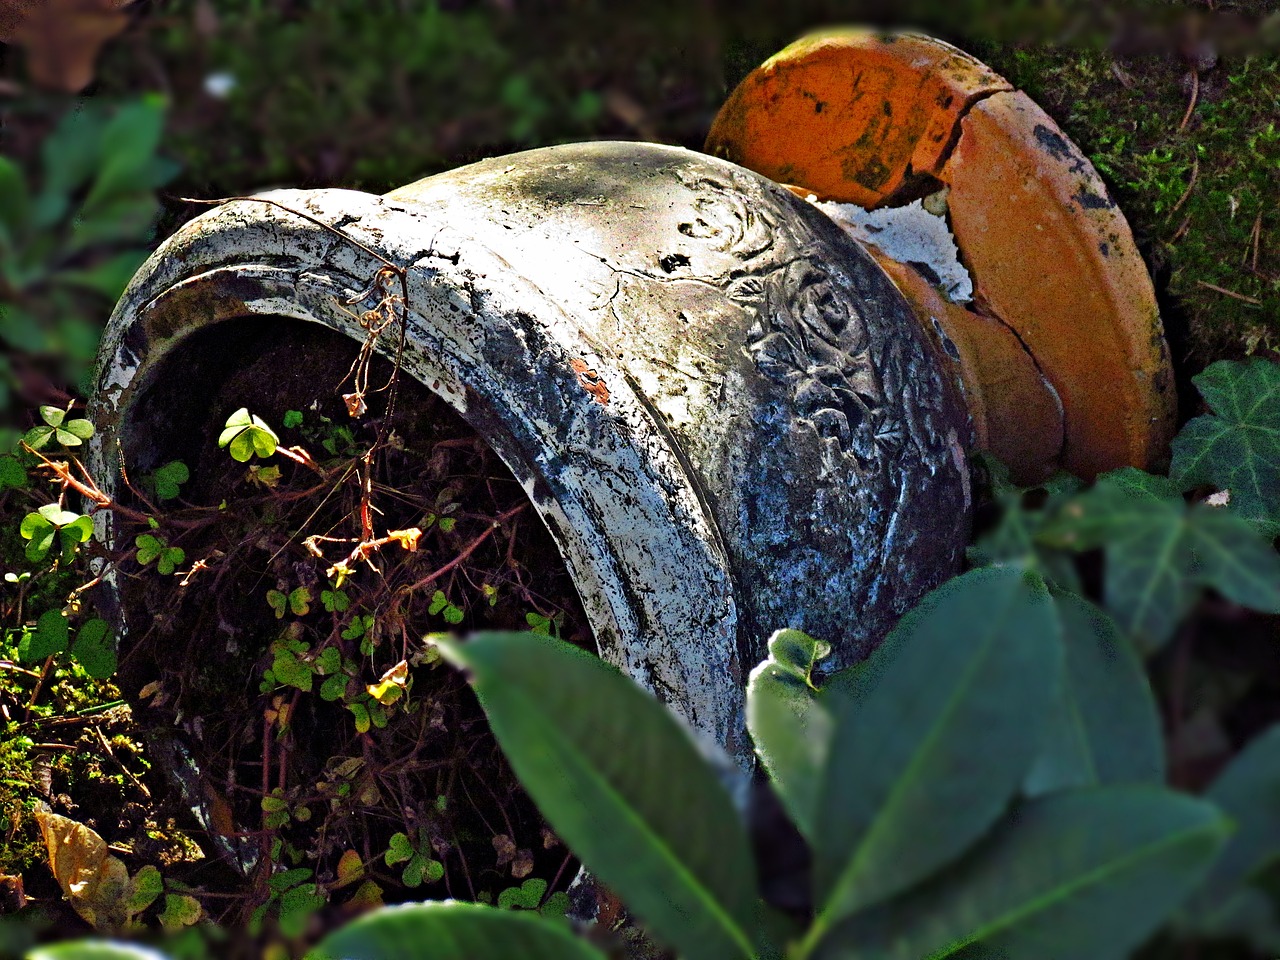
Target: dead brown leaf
{"points": [[62, 38], [96, 883]]}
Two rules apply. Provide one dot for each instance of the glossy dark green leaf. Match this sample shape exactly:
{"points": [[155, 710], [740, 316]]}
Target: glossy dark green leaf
{"points": [[70, 157], [1160, 552], [937, 733], [109, 276], [622, 783], [15, 204], [12, 474], [93, 950], [128, 145], [1248, 791], [1248, 915], [1070, 876], [790, 728], [447, 930], [1237, 446], [1105, 726]]}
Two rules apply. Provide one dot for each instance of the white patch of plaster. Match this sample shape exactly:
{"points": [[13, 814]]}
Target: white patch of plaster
{"points": [[912, 235]]}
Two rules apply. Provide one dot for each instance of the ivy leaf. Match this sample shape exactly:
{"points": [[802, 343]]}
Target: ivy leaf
{"points": [[1160, 553], [1237, 446]]}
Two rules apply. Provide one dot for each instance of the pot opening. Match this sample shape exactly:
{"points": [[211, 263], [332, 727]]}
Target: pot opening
{"points": [[282, 662]]}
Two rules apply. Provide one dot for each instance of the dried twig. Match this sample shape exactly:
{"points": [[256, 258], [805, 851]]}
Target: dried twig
{"points": [[1195, 172], [1191, 104], [1229, 293]]}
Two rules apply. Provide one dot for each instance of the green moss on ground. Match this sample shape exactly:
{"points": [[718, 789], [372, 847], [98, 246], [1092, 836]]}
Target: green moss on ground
{"points": [[1203, 197]]}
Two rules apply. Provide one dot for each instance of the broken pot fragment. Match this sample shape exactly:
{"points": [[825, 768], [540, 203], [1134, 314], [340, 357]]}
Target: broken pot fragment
{"points": [[1050, 255]]}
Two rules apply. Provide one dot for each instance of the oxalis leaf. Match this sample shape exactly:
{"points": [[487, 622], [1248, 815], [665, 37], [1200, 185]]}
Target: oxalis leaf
{"points": [[1072, 876], [1104, 727], [621, 781], [1237, 446], [448, 930], [1160, 552], [933, 736]]}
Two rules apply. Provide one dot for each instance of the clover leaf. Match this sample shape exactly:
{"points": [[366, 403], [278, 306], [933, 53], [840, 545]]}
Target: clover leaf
{"points": [[246, 434], [150, 547], [169, 478]]}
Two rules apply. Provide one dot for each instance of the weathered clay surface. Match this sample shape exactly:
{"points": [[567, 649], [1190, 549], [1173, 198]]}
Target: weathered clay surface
{"points": [[721, 408], [851, 114], [1011, 389], [1051, 256]]}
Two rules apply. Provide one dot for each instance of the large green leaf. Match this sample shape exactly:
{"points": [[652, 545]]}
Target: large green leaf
{"points": [[1105, 725], [128, 148], [791, 729], [621, 781], [15, 204], [70, 156], [1248, 791], [93, 950], [1237, 447], [1160, 552], [935, 734], [448, 930], [1070, 876]]}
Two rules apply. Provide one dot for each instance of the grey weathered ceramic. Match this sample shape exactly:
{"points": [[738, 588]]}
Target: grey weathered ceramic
{"points": [[721, 408]]}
